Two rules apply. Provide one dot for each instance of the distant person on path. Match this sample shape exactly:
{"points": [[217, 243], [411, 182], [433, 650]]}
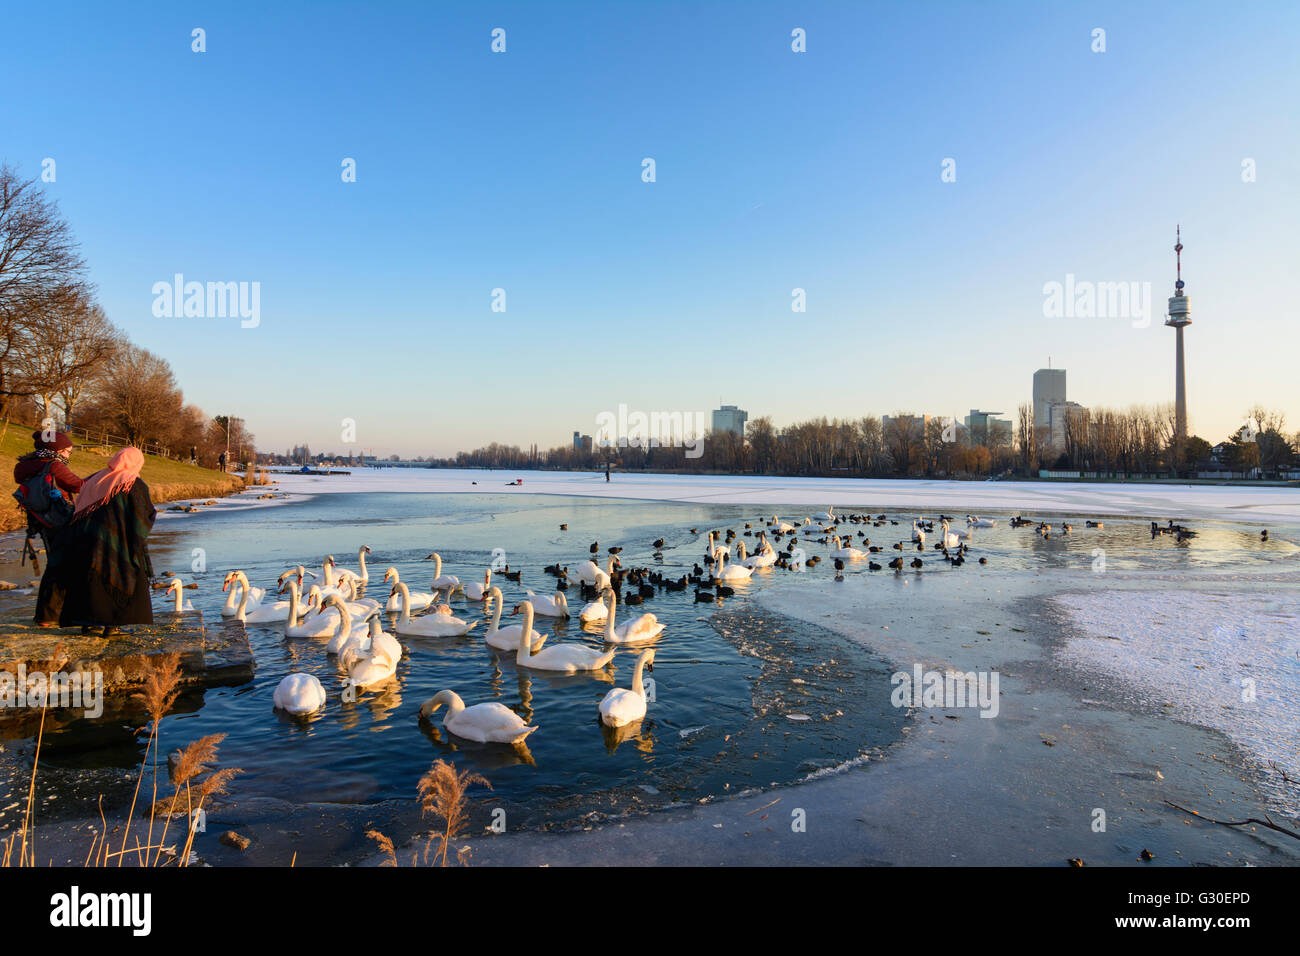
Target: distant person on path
{"points": [[44, 472], [105, 568], [222, 460], [194, 455], [607, 473]]}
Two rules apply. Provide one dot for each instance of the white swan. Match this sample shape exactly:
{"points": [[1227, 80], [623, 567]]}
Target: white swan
{"points": [[181, 605], [508, 638], [346, 633], [331, 574], [419, 599], [302, 622], [777, 524], [374, 660], [362, 576], [564, 658], [762, 558], [544, 606], [358, 605], [484, 723], [442, 582], [622, 706], [643, 627], [299, 694], [268, 612], [732, 572], [918, 533], [301, 574], [475, 591], [952, 539], [255, 595], [827, 515], [431, 625], [713, 549], [845, 551], [597, 610], [975, 521], [589, 572]]}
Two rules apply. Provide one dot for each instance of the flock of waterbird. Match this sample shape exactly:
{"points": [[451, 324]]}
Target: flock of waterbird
{"points": [[336, 611]]}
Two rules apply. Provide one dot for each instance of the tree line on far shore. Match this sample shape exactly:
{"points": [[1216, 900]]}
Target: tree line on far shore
{"points": [[1135, 441], [62, 361]]}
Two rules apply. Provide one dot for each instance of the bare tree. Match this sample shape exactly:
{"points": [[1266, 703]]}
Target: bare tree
{"points": [[38, 259], [140, 397], [70, 346]]}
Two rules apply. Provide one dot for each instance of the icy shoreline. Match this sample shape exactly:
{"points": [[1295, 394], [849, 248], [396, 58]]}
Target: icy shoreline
{"points": [[1233, 503]]}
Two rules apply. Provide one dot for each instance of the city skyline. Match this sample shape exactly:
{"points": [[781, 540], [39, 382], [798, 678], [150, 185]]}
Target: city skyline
{"points": [[516, 180]]}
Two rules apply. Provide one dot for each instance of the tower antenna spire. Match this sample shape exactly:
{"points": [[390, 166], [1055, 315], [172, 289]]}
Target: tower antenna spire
{"points": [[1178, 252]]}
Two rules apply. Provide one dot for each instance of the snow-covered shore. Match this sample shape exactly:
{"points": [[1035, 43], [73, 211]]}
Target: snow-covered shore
{"points": [[1232, 503]]}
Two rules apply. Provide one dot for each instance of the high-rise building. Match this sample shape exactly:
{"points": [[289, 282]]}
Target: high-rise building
{"points": [[918, 424], [984, 429], [1049, 387], [1180, 315], [577, 440], [729, 418]]}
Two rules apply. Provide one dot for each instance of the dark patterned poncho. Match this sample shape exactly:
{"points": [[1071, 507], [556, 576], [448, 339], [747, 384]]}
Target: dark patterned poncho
{"points": [[106, 567]]}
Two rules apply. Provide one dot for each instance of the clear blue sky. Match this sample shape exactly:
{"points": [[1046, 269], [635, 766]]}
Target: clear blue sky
{"points": [[775, 170]]}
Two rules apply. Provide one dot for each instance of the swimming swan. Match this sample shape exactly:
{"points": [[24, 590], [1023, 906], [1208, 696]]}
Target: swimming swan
{"points": [[181, 605], [299, 694], [483, 723], [373, 661], [643, 627], [442, 582], [507, 638], [431, 625], [564, 658], [544, 606], [255, 595], [419, 599], [622, 706]]}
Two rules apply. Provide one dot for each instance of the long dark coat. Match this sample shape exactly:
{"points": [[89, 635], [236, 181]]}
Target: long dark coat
{"points": [[105, 566]]}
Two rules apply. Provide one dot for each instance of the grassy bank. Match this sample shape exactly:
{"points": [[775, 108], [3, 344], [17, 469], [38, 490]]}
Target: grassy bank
{"points": [[168, 480]]}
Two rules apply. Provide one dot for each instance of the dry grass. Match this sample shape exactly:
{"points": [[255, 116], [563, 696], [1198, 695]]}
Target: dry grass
{"points": [[442, 793], [193, 779], [168, 480]]}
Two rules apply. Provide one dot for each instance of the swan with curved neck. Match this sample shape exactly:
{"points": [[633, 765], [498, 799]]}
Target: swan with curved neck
{"points": [[303, 622], [731, 572], [478, 592], [482, 723], [268, 612], [589, 572], [621, 706], [507, 638], [543, 606], [419, 600], [643, 627], [346, 633], [442, 582], [564, 658], [842, 550], [255, 595], [181, 605], [373, 660], [431, 625]]}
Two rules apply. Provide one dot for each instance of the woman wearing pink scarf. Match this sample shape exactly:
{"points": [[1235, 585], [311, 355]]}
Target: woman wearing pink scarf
{"points": [[105, 566]]}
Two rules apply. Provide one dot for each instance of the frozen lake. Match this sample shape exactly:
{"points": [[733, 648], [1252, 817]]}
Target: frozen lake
{"points": [[1235, 503]]}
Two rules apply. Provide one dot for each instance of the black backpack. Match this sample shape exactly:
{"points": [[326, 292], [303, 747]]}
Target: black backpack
{"points": [[44, 501]]}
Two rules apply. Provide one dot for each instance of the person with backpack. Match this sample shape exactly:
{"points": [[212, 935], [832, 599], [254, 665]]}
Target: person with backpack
{"points": [[105, 567], [46, 491]]}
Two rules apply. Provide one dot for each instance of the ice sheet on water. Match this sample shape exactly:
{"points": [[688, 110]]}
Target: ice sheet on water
{"points": [[1199, 655], [1178, 501]]}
